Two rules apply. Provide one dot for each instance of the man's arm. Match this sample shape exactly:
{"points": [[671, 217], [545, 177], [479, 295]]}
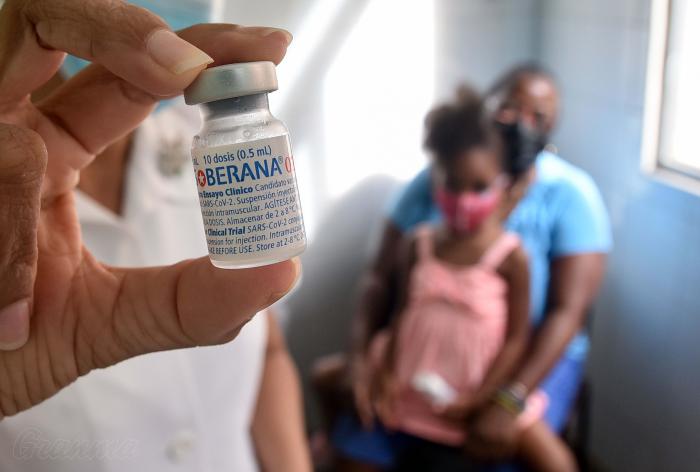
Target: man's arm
{"points": [[376, 291], [574, 284], [376, 300], [278, 424], [580, 239], [575, 281]]}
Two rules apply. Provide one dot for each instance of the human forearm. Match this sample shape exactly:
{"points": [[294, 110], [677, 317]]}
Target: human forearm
{"points": [[374, 301], [548, 346], [363, 328], [278, 425], [501, 371], [376, 290], [575, 281]]}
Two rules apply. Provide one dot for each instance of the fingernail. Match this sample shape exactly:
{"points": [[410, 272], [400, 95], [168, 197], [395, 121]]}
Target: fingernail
{"points": [[174, 53], [14, 325], [297, 273], [287, 35]]}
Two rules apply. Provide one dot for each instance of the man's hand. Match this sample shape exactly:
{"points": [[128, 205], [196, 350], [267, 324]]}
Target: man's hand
{"points": [[493, 433], [457, 411], [62, 313]]}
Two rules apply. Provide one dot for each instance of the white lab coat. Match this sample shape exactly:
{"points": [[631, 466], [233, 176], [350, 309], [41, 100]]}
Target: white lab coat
{"points": [[186, 410]]}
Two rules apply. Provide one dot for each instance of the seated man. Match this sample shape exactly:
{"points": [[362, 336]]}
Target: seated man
{"points": [[564, 226]]}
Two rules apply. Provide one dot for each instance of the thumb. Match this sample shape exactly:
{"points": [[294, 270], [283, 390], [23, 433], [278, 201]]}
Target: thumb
{"points": [[22, 167], [193, 303]]}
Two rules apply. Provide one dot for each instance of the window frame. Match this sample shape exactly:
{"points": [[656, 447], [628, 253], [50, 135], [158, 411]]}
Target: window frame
{"points": [[672, 173]]}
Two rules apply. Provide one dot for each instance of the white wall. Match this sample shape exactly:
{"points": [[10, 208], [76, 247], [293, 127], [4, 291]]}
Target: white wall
{"points": [[477, 40], [354, 87]]}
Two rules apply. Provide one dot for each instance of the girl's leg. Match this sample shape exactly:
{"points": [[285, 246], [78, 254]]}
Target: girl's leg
{"points": [[329, 379], [544, 451]]}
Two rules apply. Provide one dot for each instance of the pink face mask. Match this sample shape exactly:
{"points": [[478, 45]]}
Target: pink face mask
{"points": [[464, 212]]}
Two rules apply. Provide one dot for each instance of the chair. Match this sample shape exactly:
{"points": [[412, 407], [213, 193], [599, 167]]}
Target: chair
{"points": [[317, 315]]}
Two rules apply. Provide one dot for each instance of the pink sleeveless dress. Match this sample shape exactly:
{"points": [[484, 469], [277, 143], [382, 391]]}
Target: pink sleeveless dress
{"points": [[454, 325]]}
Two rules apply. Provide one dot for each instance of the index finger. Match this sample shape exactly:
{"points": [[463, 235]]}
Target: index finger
{"points": [[130, 41], [85, 105]]}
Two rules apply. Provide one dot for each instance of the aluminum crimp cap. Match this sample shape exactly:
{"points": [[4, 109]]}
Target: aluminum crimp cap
{"points": [[232, 80]]}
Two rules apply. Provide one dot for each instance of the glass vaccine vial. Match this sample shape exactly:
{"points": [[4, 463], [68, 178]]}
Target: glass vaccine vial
{"points": [[244, 168]]}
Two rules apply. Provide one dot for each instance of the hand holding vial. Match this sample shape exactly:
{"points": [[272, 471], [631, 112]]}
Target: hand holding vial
{"points": [[63, 313]]}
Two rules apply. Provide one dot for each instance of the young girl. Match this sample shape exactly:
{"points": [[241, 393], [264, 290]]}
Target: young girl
{"points": [[461, 320]]}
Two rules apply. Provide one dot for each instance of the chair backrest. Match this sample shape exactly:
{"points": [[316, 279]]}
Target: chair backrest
{"points": [[316, 317]]}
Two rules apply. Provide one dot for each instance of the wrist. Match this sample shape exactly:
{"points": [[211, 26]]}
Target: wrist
{"points": [[512, 398]]}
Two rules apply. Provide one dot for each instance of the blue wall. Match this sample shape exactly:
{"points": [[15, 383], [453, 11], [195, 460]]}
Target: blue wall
{"points": [[645, 362]]}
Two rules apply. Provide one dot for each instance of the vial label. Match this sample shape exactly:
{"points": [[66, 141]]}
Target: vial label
{"points": [[249, 200]]}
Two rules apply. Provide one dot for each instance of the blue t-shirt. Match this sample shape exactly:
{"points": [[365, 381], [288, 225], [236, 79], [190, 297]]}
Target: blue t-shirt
{"points": [[561, 214]]}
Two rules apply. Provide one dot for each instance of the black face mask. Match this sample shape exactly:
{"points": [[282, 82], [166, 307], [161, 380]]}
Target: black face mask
{"points": [[522, 144]]}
